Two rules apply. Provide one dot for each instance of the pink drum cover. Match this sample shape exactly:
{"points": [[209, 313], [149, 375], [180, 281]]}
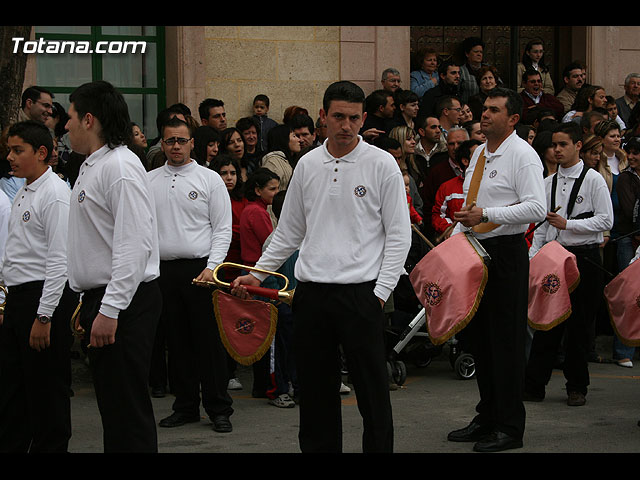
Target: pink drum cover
{"points": [[623, 299], [449, 282], [553, 275], [246, 327]]}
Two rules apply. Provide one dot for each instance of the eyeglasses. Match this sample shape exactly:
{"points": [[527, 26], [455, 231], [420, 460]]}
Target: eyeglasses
{"points": [[172, 141]]}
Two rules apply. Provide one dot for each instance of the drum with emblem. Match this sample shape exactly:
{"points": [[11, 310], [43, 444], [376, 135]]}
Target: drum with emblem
{"points": [[449, 282]]}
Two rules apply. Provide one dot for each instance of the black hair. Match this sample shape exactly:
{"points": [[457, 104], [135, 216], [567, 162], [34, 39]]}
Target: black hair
{"points": [[375, 100], [386, 143], [470, 42], [572, 66], [570, 128], [402, 97], [202, 137], [300, 121], [633, 145], [175, 122], [226, 135], [33, 93], [245, 123], [207, 104], [526, 60], [278, 202], [261, 98], [345, 91], [222, 160], [514, 100], [444, 67], [258, 179], [33, 133], [278, 139], [63, 117], [103, 101], [464, 150], [530, 72]]}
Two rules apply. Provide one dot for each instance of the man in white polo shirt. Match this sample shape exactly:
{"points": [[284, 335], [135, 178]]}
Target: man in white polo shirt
{"points": [[194, 226], [35, 340], [113, 260], [346, 211]]}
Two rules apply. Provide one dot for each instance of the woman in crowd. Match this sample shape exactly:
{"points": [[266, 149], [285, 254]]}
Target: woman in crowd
{"points": [[591, 151], [206, 145], [406, 103], [487, 80], [283, 146], [425, 75], [231, 142], [533, 59], [542, 145], [229, 171]]}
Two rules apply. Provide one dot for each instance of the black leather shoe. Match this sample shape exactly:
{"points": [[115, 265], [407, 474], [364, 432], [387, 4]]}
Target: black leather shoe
{"points": [[158, 392], [497, 442], [471, 433], [222, 424], [178, 419]]}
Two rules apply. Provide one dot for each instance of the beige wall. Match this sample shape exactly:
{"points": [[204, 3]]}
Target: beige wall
{"points": [[612, 53], [291, 65]]}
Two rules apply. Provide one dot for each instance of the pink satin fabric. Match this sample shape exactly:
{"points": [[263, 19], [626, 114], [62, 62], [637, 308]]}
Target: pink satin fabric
{"points": [[623, 299], [553, 275], [449, 282]]}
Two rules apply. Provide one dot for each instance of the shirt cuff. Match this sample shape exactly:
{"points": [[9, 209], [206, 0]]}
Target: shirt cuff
{"points": [[109, 311]]}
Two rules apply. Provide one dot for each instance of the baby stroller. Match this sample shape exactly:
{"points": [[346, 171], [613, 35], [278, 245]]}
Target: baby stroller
{"points": [[407, 329]]}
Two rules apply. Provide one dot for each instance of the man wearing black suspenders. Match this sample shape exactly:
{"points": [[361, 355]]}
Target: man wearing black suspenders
{"points": [[586, 212]]}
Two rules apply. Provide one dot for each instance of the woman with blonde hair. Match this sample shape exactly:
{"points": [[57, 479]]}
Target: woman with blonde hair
{"points": [[591, 151]]}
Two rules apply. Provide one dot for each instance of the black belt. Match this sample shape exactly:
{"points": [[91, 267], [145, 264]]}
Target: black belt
{"points": [[502, 239], [582, 248], [26, 286]]}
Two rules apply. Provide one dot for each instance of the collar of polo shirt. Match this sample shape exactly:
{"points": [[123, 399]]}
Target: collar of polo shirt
{"points": [[33, 186], [170, 170], [95, 156], [351, 157]]}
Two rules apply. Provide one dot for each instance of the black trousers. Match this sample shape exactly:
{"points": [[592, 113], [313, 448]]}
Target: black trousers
{"points": [[121, 370], [327, 316], [197, 358], [496, 336], [34, 386], [544, 348]]}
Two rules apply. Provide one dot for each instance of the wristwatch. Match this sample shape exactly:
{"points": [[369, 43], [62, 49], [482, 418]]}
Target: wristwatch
{"points": [[44, 319], [484, 218]]}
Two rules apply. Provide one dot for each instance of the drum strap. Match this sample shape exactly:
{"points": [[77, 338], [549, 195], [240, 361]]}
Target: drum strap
{"points": [[574, 191], [472, 194]]}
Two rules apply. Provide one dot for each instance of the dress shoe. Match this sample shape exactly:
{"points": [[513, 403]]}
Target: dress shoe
{"points": [[576, 399], [177, 419], [497, 442], [222, 424], [471, 433]]}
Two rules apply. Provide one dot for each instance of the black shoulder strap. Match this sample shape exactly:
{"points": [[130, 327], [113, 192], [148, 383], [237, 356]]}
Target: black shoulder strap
{"points": [[574, 191]]}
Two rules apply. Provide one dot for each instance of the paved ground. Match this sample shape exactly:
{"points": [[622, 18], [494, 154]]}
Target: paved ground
{"points": [[432, 401]]}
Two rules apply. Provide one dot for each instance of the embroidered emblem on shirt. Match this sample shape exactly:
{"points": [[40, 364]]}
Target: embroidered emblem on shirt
{"points": [[433, 293], [26, 216], [360, 191], [193, 194], [81, 196], [493, 173], [579, 199], [551, 283]]}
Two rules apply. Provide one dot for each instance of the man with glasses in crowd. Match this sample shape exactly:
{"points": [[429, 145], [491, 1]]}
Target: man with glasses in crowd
{"points": [[37, 105]]}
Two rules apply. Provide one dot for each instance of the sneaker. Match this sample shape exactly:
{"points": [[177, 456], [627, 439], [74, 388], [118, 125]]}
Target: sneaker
{"points": [[234, 384], [344, 389], [625, 362], [576, 399], [282, 401]]}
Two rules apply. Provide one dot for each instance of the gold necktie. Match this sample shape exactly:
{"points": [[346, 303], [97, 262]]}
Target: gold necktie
{"points": [[472, 194]]}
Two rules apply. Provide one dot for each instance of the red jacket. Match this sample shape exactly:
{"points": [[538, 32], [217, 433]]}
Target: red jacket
{"points": [[449, 199], [413, 213], [255, 227]]}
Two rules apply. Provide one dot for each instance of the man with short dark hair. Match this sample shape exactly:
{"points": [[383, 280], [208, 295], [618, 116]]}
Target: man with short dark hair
{"points": [[448, 84], [35, 341], [533, 97], [579, 228], [573, 81], [36, 105], [113, 260], [194, 228], [212, 113], [430, 138], [448, 110], [380, 108], [504, 194], [304, 128], [342, 286]]}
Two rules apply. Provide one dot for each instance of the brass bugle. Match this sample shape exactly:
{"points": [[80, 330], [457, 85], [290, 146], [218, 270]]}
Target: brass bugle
{"points": [[283, 294]]}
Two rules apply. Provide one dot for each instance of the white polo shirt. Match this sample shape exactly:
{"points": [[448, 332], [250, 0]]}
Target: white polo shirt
{"points": [[593, 197], [512, 187], [113, 238], [349, 218], [193, 209], [36, 247]]}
